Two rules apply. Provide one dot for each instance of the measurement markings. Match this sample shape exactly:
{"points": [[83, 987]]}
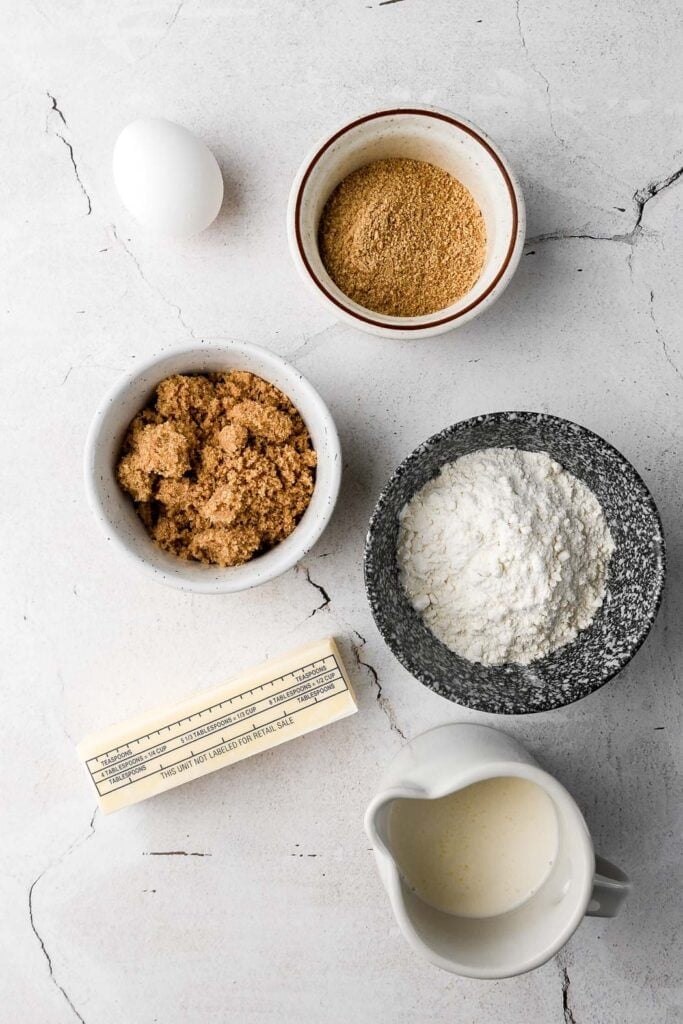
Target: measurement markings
{"points": [[120, 772], [270, 682], [156, 732], [148, 775], [122, 765]]}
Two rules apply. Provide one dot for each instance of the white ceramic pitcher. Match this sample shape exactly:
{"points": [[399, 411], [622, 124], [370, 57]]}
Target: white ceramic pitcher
{"points": [[442, 761]]}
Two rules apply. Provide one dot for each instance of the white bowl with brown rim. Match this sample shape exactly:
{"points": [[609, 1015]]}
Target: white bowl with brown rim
{"points": [[416, 133], [115, 512]]}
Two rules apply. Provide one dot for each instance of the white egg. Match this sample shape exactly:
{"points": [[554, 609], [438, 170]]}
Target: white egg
{"points": [[167, 179]]}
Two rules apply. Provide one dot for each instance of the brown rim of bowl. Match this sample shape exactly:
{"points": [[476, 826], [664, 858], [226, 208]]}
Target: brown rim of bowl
{"points": [[439, 117]]}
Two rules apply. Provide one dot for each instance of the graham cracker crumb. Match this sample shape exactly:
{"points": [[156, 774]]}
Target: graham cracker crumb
{"points": [[402, 237], [220, 466]]}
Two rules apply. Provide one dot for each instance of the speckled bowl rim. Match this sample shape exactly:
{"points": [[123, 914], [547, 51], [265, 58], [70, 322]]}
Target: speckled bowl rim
{"points": [[499, 417], [512, 253]]}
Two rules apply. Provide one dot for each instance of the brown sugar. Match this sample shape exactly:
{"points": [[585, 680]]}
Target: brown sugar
{"points": [[402, 237], [220, 466]]}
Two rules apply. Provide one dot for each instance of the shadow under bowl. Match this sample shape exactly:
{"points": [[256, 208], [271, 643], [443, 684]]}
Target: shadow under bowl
{"points": [[634, 584]]}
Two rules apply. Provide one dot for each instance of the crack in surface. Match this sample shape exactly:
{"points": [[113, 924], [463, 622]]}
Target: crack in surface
{"points": [[76, 173], [169, 26], [629, 262], [537, 71], [641, 197], [175, 853], [310, 342], [662, 339], [174, 18], [566, 1008], [61, 714], [550, 106], [154, 288], [56, 109], [563, 236], [43, 948], [321, 590], [384, 702]]}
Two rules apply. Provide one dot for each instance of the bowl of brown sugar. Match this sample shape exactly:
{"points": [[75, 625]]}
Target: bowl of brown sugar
{"points": [[406, 222], [214, 467]]}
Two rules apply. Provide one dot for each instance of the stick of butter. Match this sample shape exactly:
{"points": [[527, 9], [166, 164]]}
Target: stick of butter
{"points": [[259, 709]]}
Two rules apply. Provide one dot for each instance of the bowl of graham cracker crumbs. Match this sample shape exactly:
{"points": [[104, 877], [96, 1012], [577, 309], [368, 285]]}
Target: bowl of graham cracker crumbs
{"points": [[406, 222], [215, 467]]}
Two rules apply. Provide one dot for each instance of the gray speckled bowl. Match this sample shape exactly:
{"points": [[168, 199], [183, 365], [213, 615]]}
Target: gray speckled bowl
{"points": [[634, 585]]}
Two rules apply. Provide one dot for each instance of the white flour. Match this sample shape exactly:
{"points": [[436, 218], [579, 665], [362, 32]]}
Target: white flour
{"points": [[505, 555]]}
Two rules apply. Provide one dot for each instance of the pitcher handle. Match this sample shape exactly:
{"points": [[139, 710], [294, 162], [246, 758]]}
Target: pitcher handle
{"points": [[610, 888]]}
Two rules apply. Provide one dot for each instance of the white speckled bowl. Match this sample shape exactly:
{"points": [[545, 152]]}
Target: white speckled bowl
{"points": [[114, 510], [418, 133]]}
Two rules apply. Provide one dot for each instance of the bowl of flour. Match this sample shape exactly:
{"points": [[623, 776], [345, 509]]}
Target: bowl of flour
{"points": [[515, 562]]}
